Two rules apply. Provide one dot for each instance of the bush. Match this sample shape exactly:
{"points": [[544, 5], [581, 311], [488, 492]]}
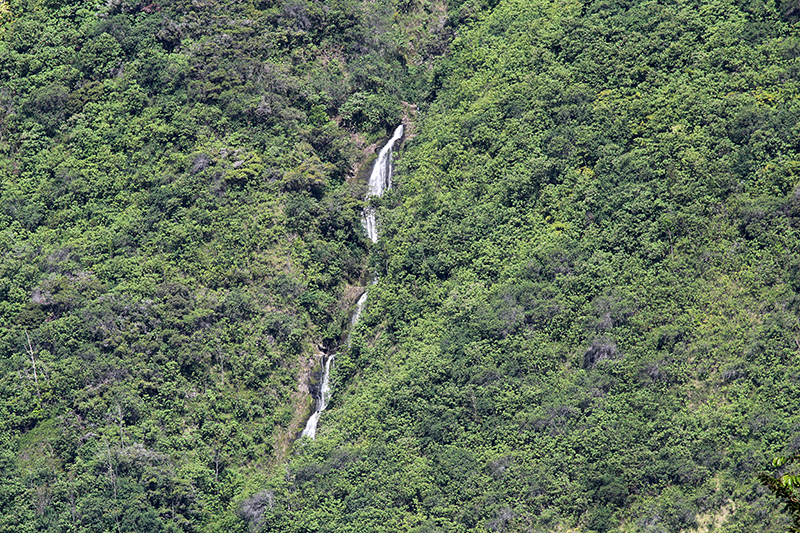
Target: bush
{"points": [[371, 112]]}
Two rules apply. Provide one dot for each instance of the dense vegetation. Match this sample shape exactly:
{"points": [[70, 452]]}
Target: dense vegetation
{"points": [[587, 313], [177, 235]]}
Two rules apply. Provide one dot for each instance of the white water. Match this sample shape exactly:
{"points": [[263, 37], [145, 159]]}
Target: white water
{"points": [[322, 401], [379, 181], [357, 314]]}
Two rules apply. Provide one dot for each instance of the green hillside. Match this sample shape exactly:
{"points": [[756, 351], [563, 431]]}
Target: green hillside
{"points": [[587, 313], [178, 236]]}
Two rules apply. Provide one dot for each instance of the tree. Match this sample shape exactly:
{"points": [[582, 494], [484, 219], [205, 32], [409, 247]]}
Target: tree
{"points": [[785, 487]]}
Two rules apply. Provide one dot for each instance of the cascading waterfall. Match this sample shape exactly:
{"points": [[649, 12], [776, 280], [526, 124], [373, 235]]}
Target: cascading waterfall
{"points": [[357, 313], [379, 181], [325, 390], [322, 400]]}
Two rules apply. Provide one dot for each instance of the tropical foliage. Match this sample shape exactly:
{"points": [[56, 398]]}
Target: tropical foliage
{"points": [[177, 236], [785, 488], [587, 308]]}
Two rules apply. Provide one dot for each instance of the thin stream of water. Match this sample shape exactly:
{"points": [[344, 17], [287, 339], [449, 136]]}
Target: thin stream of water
{"points": [[380, 180]]}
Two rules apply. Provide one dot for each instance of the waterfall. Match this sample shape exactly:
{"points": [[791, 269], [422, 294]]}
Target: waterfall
{"points": [[357, 314], [322, 401], [379, 181]]}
